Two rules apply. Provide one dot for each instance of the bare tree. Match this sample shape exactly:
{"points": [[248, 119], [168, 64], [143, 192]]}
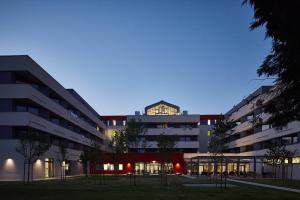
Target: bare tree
{"points": [[134, 131], [165, 145], [217, 144], [62, 157], [32, 146]]}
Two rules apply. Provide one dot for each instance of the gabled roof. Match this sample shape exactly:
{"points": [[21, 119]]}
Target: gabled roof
{"points": [[162, 102]]}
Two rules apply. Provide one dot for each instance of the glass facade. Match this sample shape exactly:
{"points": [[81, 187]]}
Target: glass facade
{"points": [[162, 109]]}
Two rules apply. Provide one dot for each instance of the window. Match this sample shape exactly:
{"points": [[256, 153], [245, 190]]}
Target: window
{"points": [[287, 140], [108, 167], [33, 110], [295, 139], [209, 133], [296, 160], [114, 122], [162, 109], [124, 122], [21, 108], [55, 121], [208, 122], [120, 167]]}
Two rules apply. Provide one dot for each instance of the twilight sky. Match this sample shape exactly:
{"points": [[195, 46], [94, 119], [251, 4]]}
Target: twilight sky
{"points": [[121, 56]]}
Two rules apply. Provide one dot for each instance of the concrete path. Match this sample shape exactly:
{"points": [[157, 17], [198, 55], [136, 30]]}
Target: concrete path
{"points": [[265, 185], [205, 185]]}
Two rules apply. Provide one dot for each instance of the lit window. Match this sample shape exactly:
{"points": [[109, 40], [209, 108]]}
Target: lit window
{"points": [[124, 123], [114, 122], [296, 160], [120, 167], [208, 122], [208, 133], [108, 167]]}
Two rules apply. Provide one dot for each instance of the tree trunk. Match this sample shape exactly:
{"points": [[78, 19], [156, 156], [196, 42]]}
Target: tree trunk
{"points": [[292, 167], [28, 172], [24, 171]]}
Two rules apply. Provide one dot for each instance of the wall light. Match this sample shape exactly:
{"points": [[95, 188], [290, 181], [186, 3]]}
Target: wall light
{"points": [[9, 164]]}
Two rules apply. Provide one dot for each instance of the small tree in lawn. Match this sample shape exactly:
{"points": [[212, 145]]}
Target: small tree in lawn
{"points": [[32, 146], [134, 131], [95, 157], [62, 157], [217, 143], [84, 157], [165, 145], [274, 155], [119, 145]]}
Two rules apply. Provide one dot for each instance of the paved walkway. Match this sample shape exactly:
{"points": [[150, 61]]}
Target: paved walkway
{"points": [[265, 185]]}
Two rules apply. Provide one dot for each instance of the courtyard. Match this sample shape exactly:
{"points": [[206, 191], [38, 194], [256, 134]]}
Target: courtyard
{"points": [[147, 187]]}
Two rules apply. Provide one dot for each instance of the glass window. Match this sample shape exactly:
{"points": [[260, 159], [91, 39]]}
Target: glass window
{"points": [[208, 122], [33, 110], [114, 122], [108, 167], [287, 140], [21, 108], [295, 139], [209, 133], [296, 160], [120, 167]]}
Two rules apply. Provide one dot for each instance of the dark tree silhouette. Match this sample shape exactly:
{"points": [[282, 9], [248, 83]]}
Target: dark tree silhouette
{"points": [[217, 144], [165, 145], [32, 146], [281, 19]]}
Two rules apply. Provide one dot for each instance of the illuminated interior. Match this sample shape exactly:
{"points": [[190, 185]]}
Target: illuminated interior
{"points": [[162, 109], [49, 172]]}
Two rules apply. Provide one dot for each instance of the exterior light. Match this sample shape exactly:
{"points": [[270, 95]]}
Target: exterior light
{"points": [[153, 161], [38, 163], [9, 164]]}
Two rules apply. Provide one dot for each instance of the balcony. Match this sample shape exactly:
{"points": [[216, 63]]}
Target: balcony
{"points": [[29, 120], [179, 144], [264, 135], [173, 131], [25, 91]]}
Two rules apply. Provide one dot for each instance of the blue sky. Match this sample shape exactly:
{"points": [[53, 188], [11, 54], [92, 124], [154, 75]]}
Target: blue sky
{"points": [[121, 56]]}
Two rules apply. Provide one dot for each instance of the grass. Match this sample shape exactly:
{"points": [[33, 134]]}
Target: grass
{"points": [[118, 188]]}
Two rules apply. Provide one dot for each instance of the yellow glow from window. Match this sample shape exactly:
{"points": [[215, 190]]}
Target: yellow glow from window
{"points": [[209, 133], [296, 160], [162, 109]]}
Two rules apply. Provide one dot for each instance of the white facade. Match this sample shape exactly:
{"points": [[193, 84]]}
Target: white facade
{"points": [[249, 138], [190, 129], [31, 99]]}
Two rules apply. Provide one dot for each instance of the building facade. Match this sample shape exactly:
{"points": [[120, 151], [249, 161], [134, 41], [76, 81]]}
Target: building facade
{"points": [[253, 135], [31, 100], [192, 130]]}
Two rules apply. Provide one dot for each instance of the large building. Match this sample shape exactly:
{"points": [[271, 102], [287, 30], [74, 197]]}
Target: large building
{"points": [[248, 142], [31, 100], [253, 135], [192, 130]]}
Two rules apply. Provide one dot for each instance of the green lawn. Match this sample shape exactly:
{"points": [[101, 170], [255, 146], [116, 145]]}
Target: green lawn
{"points": [[119, 188]]}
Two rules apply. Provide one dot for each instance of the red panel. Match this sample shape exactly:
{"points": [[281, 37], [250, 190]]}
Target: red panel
{"points": [[207, 117], [114, 117], [129, 159]]}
